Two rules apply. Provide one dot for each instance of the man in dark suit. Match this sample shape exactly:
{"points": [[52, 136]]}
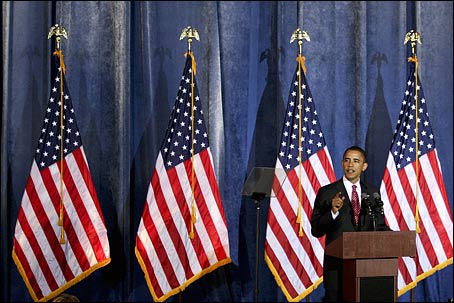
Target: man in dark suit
{"points": [[333, 214]]}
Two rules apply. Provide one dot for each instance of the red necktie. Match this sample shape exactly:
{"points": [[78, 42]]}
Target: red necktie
{"points": [[355, 203]]}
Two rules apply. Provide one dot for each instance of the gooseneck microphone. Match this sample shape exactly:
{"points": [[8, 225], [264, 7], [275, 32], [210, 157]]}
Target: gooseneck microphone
{"points": [[378, 203], [365, 201], [367, 206], [369, 212]]}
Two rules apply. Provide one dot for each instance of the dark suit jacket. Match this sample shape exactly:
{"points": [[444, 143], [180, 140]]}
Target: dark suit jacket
{"points": [[322, 223]]}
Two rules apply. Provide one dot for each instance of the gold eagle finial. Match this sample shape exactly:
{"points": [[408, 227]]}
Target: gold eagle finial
{"points": [[57, 31], [300, 35], [190, 33], [413, 36]]}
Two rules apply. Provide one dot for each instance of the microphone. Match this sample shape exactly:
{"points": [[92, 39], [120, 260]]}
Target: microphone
{"points": [[365, 201], [366, 210], [380, 213], [378, 202]]}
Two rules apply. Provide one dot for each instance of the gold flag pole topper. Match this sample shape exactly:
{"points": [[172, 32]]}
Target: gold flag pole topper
{"points": [[300, 35], [414, 37], [59, 31], [191, 33]]}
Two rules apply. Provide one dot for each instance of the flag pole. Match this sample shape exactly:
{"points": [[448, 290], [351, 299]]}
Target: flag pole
{"points": [[300, 35], [59, 31], [191, 33], [414, 37]]}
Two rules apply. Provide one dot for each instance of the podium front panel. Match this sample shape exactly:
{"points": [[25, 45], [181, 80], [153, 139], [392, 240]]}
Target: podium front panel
{"points": [[376, 289], [376, 267], [370, 280]]}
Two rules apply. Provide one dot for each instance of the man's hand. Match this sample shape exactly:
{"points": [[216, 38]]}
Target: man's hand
{"points": [[337, 202]]}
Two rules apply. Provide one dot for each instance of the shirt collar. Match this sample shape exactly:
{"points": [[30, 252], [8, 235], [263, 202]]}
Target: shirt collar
{"points": [[348, 186]]}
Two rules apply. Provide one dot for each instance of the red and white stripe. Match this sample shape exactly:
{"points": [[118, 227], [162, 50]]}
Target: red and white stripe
{"points": [[48, 267], [169, 258], [296, 262], [401, 197]]}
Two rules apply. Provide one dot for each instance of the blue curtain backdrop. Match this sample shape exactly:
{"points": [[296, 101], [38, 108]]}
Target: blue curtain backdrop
{"points": [[124, 61]]}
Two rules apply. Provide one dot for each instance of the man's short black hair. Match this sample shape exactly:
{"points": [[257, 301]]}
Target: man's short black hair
{"points": [[356, 148]]}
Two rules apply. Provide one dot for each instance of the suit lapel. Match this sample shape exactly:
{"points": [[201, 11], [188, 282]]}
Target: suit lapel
{"points": [[341, 188]]}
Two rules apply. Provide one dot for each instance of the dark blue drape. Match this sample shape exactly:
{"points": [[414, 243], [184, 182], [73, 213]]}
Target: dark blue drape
{"points": [[124, 61]]}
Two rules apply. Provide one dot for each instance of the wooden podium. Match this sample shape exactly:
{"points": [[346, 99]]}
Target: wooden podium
{"points": [[369, 263]]}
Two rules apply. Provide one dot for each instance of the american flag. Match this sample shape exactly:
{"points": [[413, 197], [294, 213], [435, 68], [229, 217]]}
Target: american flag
{"points": [[59, 191], [293, 255], [182, 234], [413, 190]]}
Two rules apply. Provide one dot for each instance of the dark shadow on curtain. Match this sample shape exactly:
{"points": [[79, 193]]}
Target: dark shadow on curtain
{"points": [[216, 286], [380, 131], [265, 143], [270, 115], [13, 208], [31, 119], [144, 160]]}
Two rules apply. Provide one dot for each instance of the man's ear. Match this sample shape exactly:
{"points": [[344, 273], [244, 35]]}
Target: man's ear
{"points": [[364, 166]]}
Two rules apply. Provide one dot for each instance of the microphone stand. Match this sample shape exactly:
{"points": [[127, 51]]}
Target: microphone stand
{"points": [[258, 186], [374, 223], [370, 212], [379, 207], [258, 197]]}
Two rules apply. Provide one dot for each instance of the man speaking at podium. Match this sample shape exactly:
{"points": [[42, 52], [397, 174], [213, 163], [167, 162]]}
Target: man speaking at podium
{"points": [[338, 208]]}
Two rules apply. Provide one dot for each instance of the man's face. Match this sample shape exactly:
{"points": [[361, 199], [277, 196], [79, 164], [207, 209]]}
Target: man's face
{"points": [[353, 164]]}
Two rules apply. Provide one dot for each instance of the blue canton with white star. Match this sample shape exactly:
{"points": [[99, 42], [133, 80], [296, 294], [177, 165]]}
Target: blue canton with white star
{"points": [[50, 142], [403, 146], [312, 139], [177, 146]]}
